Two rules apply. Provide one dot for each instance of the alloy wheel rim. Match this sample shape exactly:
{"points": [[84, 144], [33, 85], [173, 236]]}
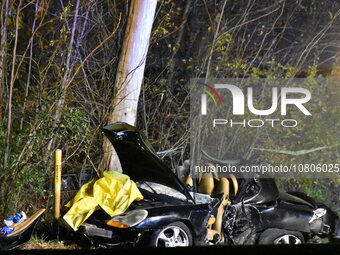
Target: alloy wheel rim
{"points": [[172, 236], [288, 239]]}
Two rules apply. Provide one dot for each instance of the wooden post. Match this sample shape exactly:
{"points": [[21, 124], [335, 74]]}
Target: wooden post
{"points": [[57, 183], [130, 73]]}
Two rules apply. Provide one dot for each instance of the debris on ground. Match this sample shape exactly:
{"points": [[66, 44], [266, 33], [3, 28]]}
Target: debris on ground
{"points": [[12, 221]]}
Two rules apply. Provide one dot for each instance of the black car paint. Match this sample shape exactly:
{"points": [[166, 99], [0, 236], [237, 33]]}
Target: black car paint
{"points": [[289, 211], [273, 211], [138, 159], [159, 215], [287, 216], [194, 216], [250, 190]]}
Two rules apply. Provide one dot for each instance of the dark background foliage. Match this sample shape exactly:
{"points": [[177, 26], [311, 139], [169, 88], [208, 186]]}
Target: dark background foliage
{"points": [[195, 38]]}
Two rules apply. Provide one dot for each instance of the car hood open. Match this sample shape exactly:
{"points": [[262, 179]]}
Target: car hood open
{"points": [[138, 159]]}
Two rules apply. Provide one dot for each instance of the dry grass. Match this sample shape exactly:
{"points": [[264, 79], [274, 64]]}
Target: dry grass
{"points": [[41, 243]]}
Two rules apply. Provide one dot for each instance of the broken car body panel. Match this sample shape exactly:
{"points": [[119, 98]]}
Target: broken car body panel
{"points": [[268, 209], [138, 159]]}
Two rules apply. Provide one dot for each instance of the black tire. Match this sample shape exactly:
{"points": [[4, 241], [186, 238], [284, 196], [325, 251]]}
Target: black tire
{"points": [[280, 236], [173, 235]]}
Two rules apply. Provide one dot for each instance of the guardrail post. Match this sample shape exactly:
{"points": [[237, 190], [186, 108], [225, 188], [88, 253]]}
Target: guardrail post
{"points": [[57, 183]]}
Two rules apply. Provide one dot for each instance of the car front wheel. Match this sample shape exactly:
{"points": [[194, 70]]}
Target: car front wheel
{"points": [[173, 235], [281, 236]]}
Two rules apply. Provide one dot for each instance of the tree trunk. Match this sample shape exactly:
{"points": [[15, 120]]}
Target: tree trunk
{"points": [[3, 50], [11, 86], [130, 73]]}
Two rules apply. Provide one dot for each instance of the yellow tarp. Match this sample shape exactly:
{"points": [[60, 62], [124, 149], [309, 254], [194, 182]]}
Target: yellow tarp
{"points": [[114, 193]]}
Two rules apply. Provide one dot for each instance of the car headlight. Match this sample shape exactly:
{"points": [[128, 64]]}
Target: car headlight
{"points": [[128, 219]]}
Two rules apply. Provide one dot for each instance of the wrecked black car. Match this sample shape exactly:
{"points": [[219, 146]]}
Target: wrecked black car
{"points": [[169, 215], [209, 210], [260, 214]]}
